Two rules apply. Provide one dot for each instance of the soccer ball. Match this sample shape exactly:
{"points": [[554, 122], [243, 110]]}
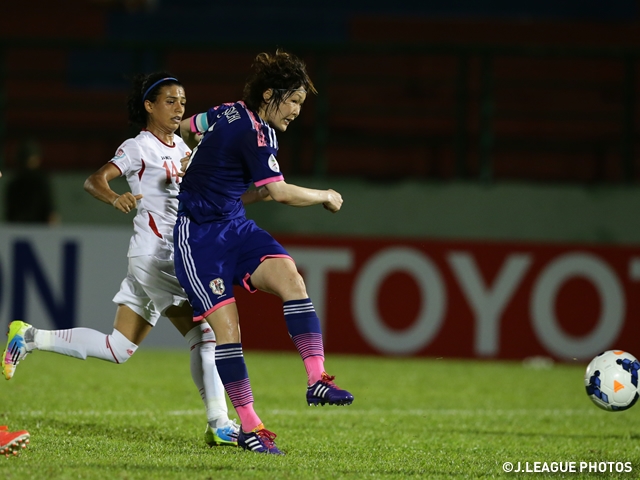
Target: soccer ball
{"points": [[611, 380]]}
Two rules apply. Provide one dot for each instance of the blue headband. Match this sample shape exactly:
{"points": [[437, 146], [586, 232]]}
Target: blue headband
{"points": [[144, 97]]}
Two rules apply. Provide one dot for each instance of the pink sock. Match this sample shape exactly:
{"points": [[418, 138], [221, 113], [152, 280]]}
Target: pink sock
{"points": [[248, 418], [314, 366]]}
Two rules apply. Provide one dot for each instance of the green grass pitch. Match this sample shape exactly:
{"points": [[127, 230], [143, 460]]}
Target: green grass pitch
{"points": [[412, 418]]}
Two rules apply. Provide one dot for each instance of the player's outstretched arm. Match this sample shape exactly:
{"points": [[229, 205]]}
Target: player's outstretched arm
{"points": [[254, 196], [296, 196], [190, 138], [98, 185]]}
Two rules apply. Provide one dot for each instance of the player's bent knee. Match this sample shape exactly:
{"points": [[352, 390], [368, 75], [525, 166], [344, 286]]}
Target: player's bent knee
{"points": [[287, 287], [298, 286]]}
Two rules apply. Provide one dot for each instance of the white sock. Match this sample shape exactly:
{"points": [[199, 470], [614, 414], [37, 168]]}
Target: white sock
{"points": [[202, 343], [85, 342]]}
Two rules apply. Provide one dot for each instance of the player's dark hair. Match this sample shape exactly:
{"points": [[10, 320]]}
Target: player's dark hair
{"points": [[146, 87], [282, 72]]}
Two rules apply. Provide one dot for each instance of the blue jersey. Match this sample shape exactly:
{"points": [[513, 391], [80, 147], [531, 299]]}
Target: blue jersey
{"points": [[237, 149]]}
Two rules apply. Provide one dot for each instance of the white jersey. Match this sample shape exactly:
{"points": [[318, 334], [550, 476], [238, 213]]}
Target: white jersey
{"points": [[151, 168]]}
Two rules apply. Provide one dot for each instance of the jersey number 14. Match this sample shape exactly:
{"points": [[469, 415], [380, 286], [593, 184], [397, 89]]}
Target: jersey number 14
{"points": [[171, 172]]}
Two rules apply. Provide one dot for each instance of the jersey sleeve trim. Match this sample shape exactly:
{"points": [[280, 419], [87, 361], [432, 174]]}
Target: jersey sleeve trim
{"points": [[199, 123], [116, 165], [264, 181]]}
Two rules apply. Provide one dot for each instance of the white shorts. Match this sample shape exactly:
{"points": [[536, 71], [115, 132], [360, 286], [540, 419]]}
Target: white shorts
{"points": [[150, 287]]}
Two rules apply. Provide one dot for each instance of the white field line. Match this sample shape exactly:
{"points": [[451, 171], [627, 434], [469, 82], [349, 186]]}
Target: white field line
{"points": [[377, 412]]}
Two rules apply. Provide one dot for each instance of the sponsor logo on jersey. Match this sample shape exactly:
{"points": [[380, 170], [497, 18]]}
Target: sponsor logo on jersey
{"points": [[217, 286], [273, 164]]}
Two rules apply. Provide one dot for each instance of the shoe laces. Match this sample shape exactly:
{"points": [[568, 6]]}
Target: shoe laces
{"points": [[267, 438], [328, 379]]}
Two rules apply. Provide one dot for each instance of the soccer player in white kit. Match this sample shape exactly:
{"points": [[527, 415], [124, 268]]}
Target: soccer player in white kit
{"points": [[151, 164]]}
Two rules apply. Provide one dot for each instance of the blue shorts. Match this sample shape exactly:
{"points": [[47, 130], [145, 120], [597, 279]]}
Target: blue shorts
{"points": [[212, 257]]}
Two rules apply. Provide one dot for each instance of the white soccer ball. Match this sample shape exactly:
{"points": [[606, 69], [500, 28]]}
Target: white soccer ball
{"points": [[611, 380]]}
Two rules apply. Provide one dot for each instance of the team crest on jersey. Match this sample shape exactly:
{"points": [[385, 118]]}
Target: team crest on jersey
{"points": [[217, 286], [119, 154], [273, 164]]}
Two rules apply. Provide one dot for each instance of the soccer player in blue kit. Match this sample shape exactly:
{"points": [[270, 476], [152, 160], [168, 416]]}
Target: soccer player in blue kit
{"points": [[216, 246]]}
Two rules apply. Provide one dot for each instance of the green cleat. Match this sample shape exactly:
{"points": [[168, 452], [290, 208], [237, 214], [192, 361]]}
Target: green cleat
{"points": [[16, 349], [226, 435]]}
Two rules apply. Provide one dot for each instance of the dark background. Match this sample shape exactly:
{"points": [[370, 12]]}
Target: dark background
{"points": [[543, 91]]}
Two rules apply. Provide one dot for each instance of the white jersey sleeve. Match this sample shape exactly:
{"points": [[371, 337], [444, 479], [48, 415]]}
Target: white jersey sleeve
{"points": [[128, 157]]}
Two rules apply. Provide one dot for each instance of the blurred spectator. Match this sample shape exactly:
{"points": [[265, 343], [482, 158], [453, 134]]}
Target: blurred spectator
{"points": [[29, 196]]}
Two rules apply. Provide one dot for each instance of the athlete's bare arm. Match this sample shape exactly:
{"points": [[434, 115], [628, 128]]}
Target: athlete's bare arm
{"points": [[98, 185], [190, 138], [296, 196], [254, 196]]}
